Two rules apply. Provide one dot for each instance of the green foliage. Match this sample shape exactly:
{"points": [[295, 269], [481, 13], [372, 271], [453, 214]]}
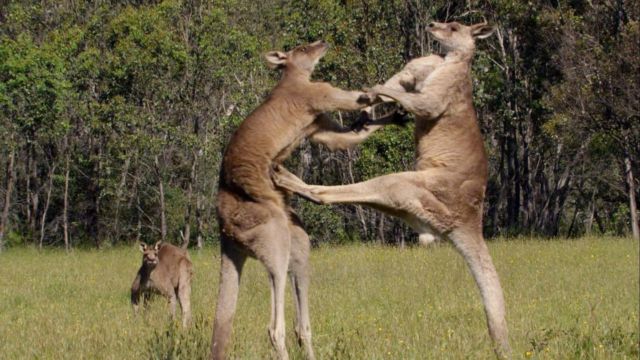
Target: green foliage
{"points": [[33, 87], [115, 86], [391, 151], [324, 224], [14, 238]]}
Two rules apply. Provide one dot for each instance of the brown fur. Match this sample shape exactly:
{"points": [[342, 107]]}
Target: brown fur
{"points": [[443, 197], [412, 77], [254, 219], [167, 270]]}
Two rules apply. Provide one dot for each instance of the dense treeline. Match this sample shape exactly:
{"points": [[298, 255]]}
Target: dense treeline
{"points": [[114, 114]]}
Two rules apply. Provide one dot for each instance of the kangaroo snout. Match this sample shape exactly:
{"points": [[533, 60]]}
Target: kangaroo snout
{"points": [[433, 26], [321, 43]]}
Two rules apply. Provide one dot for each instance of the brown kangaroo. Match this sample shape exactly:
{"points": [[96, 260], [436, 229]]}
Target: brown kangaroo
{"points": [[444, 196], [166, 269], [253, 216]]}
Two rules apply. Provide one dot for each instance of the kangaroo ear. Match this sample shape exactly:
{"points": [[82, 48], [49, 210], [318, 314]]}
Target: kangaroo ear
{"points": [[275, 59], [143, 246], [482, 31], [156, 247]]}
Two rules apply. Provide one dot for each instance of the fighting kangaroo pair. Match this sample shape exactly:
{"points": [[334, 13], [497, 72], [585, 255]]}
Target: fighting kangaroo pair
{"points": [[442, 198]]}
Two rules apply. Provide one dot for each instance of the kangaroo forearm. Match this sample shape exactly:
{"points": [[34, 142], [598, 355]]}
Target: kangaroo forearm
{"points": [[342, 140], [337, 99], [349, 100], [408, 101], [422, 104], [135, 296], [135, 289], [338, 137]]}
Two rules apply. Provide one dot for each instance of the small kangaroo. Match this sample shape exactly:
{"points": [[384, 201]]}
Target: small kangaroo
{"points": [[166, 269], [253, 216], [444, 196]]}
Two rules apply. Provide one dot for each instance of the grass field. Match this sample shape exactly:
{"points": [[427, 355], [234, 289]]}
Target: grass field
{"points": [[566, 299]]}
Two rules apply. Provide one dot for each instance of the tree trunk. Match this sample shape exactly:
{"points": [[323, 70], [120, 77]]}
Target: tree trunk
{"points": [[134, 200], [27, 188], [592, 211], [359, 210], [94, 191], [65, 211], [163, 220], [187, 225], [573, 220], [633, 208], [139, 219], [599, 221], [186, 235], [549, 219], [43, 219], [199, 222], [123, 181], [381, 234], [7, 198], [32, 193]]}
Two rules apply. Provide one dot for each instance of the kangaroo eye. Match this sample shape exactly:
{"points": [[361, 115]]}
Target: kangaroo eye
{"points": [[454, 28]]}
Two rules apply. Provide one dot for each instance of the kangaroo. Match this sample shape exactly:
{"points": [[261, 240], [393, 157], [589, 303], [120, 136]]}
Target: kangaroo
{"points": [[253, 216], [166, 269], [444, 196]]}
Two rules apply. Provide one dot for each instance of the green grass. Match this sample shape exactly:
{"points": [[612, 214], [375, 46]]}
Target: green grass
{"points": [[566, 299]]}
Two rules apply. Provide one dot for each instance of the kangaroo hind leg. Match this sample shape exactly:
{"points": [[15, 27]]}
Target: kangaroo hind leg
{"points": [[273, 244], [184, 293], [231, 264], [299, 275], [472, 247]]}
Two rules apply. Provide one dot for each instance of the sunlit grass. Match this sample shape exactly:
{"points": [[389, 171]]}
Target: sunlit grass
{"points": [[565, 298]]}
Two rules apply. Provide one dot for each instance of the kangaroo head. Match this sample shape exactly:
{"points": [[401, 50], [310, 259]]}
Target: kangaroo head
{"points": [[302, 57], [150, 254], [457, 37]]}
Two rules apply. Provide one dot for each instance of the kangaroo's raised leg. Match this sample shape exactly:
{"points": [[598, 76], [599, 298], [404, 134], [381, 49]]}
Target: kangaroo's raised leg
{"points": [[283, 178], [399, 194]]}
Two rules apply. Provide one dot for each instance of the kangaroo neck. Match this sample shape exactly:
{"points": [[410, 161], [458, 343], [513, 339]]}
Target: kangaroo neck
{"points": [[459, 56], [295, 74]]}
